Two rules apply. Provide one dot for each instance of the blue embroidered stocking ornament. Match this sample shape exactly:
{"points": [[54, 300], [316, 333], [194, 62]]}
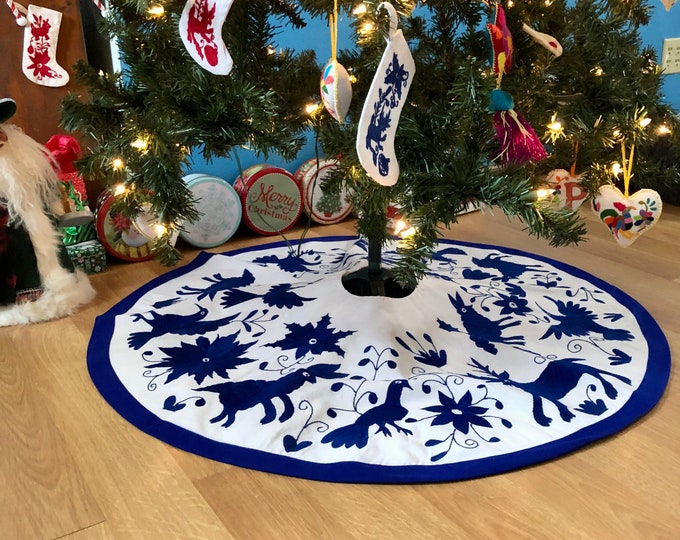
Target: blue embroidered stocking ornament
{"points": [[386, 98]]}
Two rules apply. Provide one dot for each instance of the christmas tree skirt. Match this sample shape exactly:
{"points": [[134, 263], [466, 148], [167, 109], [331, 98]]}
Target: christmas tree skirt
{"points": [[260, 358]]}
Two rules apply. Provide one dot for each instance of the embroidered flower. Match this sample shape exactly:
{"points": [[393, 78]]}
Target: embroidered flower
{"points": [[512, 304], [311, 338], [460, 414], [204, 358], [39, 64]]}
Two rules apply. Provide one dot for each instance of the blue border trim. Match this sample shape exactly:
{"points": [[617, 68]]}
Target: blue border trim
{"points": [[642, 401]]}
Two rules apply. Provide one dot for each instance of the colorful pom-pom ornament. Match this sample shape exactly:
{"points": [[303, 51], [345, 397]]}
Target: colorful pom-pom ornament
{"points": [[518, 141]]}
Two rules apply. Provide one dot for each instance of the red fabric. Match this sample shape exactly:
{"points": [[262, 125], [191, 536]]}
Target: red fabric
{"points": [[65, 150]]}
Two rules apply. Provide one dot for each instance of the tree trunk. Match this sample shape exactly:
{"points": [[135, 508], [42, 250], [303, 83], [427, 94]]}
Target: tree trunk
{"points": [[374, 280]]}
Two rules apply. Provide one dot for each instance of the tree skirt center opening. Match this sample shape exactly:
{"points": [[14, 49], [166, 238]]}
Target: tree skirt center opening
{"points": [[262, 358]]}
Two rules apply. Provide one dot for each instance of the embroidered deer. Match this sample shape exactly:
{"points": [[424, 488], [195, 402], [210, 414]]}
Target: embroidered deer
{"points": [[242, 395], [556, 381], [200, 31]]}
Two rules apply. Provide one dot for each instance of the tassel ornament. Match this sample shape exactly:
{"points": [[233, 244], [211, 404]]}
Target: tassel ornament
{"points": [[519, 143]]}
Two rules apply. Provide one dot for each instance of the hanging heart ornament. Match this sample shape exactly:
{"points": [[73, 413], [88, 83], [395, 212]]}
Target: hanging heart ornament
{"points": [[567, 189], [627, 217]]}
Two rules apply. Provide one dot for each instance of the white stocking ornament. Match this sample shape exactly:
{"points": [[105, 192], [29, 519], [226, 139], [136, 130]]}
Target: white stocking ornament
{"points": [[381, 111], [41, 34], [200, 27]]}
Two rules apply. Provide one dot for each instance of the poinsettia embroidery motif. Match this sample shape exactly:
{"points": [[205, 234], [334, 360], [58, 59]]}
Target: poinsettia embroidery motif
{"points": [[39, 49], [200, 31]]}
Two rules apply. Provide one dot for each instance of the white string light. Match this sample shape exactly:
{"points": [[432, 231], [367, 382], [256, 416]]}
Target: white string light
{"points": [[155, 11]]}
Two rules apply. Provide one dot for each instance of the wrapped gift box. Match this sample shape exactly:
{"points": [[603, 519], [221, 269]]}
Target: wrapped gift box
{"points": [[90, 256]]}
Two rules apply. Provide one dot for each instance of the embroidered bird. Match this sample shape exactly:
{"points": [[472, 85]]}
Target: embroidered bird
{"points": [[575, 320], [383, 415], [173, 323]]}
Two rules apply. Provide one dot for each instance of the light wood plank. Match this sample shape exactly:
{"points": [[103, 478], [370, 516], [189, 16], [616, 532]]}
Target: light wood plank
{"points": [[44, 494]]}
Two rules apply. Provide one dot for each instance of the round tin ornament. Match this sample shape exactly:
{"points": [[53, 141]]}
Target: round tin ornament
{"points": [[220, 209], [118, 234], [322, 210], [148, 225], [271, 200], [241, 180]]}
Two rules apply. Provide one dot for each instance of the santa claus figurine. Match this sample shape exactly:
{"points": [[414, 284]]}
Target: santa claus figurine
{"points": [[37, 279]]}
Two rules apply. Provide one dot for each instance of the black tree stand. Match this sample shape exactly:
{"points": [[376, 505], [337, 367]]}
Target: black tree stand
{"points": [[373, 280]]}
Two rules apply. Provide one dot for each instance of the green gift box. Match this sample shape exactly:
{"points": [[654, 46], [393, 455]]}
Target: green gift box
{"points": [[90, 256]]}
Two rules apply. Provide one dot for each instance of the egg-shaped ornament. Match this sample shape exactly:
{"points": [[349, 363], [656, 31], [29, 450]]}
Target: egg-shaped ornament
{"points": [[336, 90]]}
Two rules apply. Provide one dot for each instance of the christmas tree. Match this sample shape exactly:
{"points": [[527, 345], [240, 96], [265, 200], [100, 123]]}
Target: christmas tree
{"points": [[483, 75], [600, 96], [171, 99]]}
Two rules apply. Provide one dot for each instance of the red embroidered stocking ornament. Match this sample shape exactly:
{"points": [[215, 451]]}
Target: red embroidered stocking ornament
{"points": [[39, 62], [200, 27]]}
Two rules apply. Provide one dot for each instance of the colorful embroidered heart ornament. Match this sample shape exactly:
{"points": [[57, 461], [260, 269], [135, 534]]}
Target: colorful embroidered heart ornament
{"points": [[627, 217], [567, 190]]}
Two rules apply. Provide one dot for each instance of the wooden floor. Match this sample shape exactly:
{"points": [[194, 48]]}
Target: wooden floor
{"points": [[70, 467]]}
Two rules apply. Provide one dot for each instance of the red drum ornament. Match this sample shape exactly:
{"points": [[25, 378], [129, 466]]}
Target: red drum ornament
{"points": [[271, 200], [310, 175], [118, 234]]}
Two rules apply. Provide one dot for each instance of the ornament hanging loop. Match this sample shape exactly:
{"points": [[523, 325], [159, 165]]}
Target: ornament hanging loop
{"points": [[574, 157], [333, 20], [394, 18]]}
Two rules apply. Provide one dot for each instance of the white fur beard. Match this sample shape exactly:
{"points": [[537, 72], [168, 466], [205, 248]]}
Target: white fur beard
{"points": [[30, 188], [27, 177]]}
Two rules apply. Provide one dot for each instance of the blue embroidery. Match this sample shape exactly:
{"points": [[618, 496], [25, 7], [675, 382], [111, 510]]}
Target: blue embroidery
{"points": [[483, 331], [577, 320], [205, 358], [234, 359], [553, 384], [396, 78], [243, 395], [379, 417], [312, 338]]}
